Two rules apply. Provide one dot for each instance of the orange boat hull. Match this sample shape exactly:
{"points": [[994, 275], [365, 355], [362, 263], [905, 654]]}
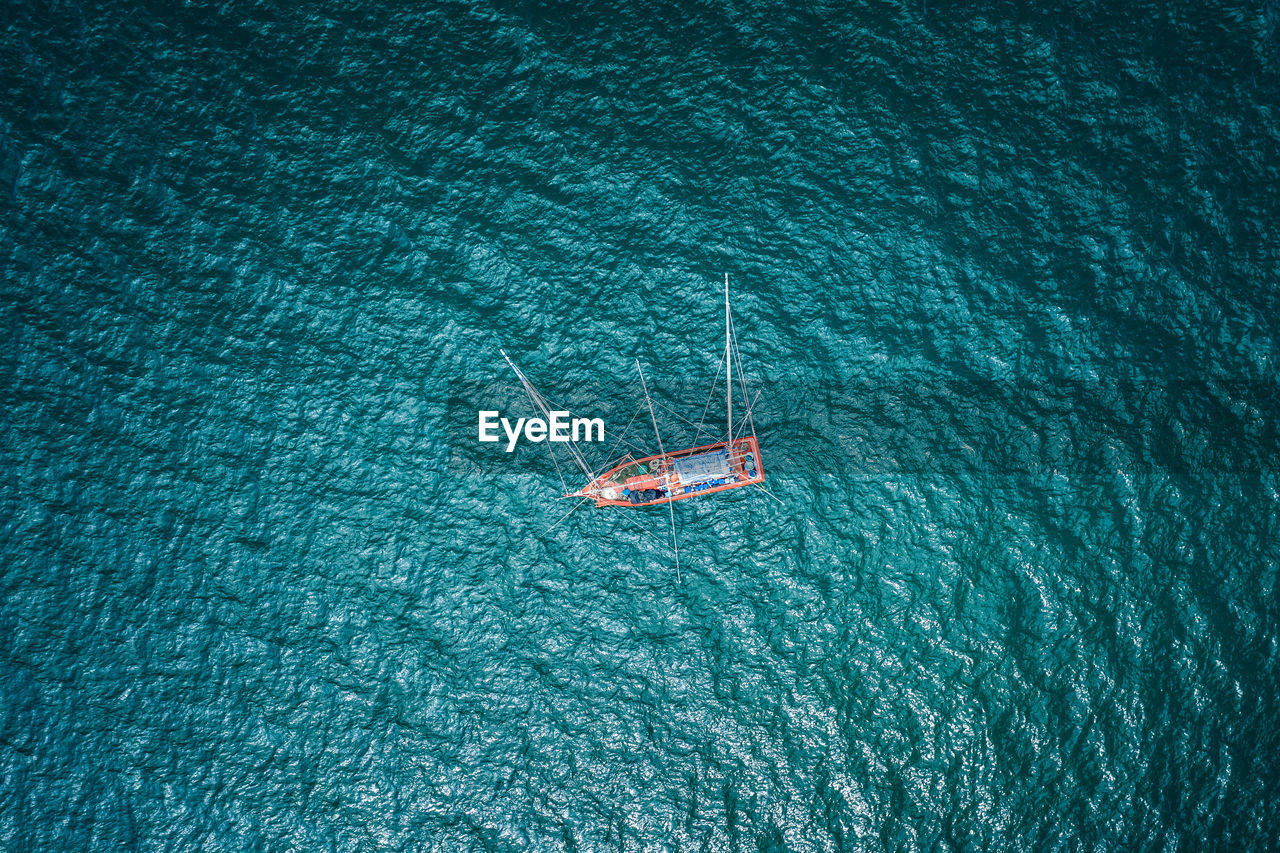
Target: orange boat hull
{"points": [[608, 488]]}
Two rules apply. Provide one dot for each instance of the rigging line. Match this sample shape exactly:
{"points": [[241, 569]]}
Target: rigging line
{"points": [[577, 454], [674, 412], [640, 450], [566, 515], [728, 354], [707, 405], [556, 462], [540, 404], [675, 543], [621, 436], [648, 400], [742, 379], [643, 451], [747, 417], [769, 493], [633, 449], [750, 408], [544, 406], [563, 485], [648, 533]]}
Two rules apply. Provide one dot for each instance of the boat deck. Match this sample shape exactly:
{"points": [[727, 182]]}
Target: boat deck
{"points": [[655, 480]]}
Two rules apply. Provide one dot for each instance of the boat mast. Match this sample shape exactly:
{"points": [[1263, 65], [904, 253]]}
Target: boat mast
{"points": [[728, 360]]}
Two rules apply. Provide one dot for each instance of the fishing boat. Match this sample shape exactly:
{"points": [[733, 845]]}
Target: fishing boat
{"points": [[662, 477]]}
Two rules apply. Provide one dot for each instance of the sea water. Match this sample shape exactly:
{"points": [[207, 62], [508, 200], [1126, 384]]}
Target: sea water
{"points": [[1005, 293]]}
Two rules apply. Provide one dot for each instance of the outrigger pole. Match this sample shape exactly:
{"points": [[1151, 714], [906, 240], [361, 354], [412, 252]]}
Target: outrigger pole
{"points": [[645, 387], [670, 508]]}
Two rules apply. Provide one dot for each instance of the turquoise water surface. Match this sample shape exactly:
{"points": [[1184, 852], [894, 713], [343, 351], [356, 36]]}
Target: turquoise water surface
{"points": [[1006, 281]]}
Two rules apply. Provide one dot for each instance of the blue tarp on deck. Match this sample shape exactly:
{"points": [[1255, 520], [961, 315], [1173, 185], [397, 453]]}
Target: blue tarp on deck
{"points": [[705, 466]]}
